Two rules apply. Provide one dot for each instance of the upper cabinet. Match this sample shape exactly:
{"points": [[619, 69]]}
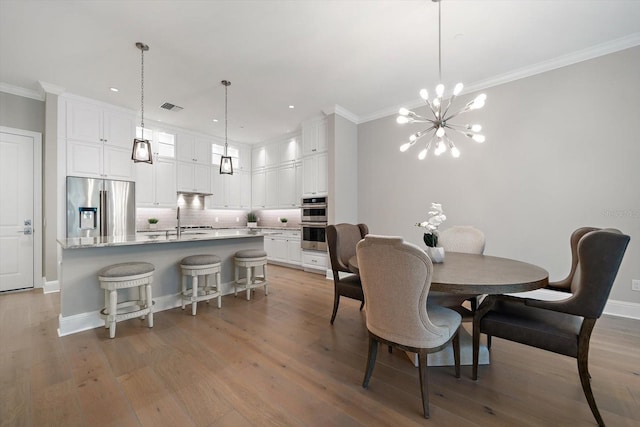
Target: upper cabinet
{"points": [[290, 150], [193, 149], [99, 141], [314, 136]]}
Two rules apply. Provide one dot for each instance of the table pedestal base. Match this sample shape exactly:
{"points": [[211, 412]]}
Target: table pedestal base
{"points": [[444, 357]]}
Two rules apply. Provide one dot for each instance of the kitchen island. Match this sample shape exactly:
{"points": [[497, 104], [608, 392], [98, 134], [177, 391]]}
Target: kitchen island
{"points": [[81, 298]]}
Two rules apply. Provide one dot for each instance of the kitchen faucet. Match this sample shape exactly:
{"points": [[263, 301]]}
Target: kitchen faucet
{"points": [[178, 218]]}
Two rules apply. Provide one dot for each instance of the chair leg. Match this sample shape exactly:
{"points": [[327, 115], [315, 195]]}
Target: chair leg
{"points": [[194, 294], [266, 284], [249, 283], [361, 305], [150, 305], [456, 352], [423, 367], [583, 367], [184, 289], [489, 342], [371, 361], [336, 302], [218, 289], [476, 348], [113, 311]]}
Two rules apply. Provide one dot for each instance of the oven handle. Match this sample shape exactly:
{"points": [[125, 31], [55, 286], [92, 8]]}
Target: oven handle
{"points": [[314, 224]]}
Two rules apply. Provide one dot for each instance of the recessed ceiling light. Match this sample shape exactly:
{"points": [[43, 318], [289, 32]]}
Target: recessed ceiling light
{"points": [[114, 89], [292, 106], [215, 120]]}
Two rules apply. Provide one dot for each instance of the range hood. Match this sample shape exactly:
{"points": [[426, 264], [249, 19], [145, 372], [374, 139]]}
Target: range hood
{"points": [[194, 193]]}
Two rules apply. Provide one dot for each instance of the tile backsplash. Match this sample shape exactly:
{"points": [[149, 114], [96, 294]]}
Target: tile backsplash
{"points": [[193, 213]]}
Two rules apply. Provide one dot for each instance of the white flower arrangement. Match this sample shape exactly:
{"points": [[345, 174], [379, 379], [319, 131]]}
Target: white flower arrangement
{"points": [[436, 217]]}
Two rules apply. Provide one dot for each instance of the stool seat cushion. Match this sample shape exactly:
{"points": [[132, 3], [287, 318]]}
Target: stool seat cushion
{"points": [[251, 253], [127, 269], [194, 260]]}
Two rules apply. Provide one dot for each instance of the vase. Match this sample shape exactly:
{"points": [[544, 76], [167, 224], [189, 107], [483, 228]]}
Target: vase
{"points": [[252, 224], [436, 253], [153, 226]]}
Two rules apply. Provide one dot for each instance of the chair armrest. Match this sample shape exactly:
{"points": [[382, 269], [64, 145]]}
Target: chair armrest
{"points": [[567, 306]]}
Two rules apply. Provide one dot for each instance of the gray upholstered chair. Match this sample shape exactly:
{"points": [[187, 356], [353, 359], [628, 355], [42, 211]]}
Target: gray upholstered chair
{"points": [[462, 238], [562, 326], [396, 277], [342, 240], [465, 239]]}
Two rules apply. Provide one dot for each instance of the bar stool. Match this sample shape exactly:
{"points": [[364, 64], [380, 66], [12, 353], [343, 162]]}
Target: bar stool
{"points": [[250, 259], [200, 265], [123, 276]]}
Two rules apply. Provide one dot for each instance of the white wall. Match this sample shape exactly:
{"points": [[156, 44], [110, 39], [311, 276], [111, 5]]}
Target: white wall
{"points": [[562, 152]]}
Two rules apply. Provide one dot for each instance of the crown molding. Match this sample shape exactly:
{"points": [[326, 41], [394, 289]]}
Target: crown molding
{"points": [[592, 52], [20, 91], [342, 112], [51, 88]]}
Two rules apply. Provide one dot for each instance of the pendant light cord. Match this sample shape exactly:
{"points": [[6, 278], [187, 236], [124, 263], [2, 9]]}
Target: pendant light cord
{"points": [[226, 86], [439, 43], [142, 91]]}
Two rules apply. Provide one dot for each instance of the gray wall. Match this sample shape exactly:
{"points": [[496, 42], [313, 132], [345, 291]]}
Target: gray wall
{"points": [[562, 152], [21, 113], [342, 137]]}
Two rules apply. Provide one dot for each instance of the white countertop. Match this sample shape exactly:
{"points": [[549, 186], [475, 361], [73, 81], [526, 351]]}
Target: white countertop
{"points": [[158, 237]]}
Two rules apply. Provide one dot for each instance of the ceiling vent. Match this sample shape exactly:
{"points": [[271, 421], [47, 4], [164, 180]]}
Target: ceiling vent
{"points": [[171, 107]]}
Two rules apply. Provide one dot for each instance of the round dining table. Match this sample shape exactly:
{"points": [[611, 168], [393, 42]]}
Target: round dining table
{"points": [[472, 275]]}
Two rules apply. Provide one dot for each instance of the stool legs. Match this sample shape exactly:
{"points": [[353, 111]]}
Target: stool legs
{"points": [[113, 309], [184, 289], [264, 274], [194, 294], [250, 281], [149, 304], [218, 281]]}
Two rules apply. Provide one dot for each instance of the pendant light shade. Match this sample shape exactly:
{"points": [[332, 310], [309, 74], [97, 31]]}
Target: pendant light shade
{"points": [[226, 165], [142, 147]]}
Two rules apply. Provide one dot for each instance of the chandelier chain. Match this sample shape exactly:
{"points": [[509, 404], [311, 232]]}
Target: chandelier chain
{"points": [[439, 43]]}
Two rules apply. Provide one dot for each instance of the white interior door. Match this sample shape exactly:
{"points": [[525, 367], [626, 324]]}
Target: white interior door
{"points": [[17, 215]]}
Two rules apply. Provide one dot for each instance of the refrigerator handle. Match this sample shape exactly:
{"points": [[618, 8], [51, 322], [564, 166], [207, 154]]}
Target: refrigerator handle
{"points": [[103, 213]]}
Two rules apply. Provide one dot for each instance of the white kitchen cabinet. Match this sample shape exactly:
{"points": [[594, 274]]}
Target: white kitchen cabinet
{"points": [[314, 261], [244, 159], [287, 196], [191, 148], [258, 158], [245, 190], [290, 150], [193, 177], [315, 175], [298, 173], [156, 184], [99, 141], [271, 188], [258, 189], [284, 248], [228, 190], [314, 137]]}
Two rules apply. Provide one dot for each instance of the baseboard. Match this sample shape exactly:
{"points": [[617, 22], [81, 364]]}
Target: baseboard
{"points": [[84, 321], [630, 310], [51, 286]]}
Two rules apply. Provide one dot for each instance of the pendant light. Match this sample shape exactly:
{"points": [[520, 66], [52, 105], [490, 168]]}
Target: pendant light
{"points": [[142, 147], [226, 165], [439, 124]]}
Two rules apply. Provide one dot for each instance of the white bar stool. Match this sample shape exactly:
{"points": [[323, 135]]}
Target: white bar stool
{"points": [[124, 276], [200, 265], [250, 259]]}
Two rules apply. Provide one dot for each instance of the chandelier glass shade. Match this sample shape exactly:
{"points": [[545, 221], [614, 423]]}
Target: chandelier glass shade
{"points": [[439, 126], [226, 164], [142, 147]]}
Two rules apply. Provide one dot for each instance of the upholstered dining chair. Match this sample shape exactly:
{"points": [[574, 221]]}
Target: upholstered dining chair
{"points": [[465, 239], [562, 326], [396, 277], [342, 240]]}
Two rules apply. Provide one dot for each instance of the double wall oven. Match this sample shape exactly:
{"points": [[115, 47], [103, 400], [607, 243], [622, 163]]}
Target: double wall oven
{"points": [[314, 223]]}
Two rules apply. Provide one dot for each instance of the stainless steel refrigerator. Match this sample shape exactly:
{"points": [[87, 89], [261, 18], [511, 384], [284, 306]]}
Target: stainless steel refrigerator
{"points": [[100, 207]]}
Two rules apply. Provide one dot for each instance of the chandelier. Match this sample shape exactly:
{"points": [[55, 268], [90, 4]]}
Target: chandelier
{"points": [[142, 147], [439, 124], [226, 164]]}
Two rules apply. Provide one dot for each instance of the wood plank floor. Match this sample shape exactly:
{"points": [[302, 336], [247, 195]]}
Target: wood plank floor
{"points": [[277, 361]]}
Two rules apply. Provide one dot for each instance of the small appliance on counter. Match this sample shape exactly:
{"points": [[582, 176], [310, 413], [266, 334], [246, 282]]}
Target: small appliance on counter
{"points": [[100, 207]]}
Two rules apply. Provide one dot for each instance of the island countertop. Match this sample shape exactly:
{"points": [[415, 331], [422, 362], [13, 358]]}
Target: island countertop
{"points": [[147, 238]]}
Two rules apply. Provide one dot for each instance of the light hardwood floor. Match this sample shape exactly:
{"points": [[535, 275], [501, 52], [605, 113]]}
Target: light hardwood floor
{"points": [[277, 361]]}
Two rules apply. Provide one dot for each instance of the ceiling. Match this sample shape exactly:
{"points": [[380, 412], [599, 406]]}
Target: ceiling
{"points": [[366, 56]]}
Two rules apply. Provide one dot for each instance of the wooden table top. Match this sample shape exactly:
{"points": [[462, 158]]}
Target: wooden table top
{"points": [[482, 274]]}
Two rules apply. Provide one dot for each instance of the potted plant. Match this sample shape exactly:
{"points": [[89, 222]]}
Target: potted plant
{"points": [[436, 217], [153, 223], [252, 220], [284, 221]]}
